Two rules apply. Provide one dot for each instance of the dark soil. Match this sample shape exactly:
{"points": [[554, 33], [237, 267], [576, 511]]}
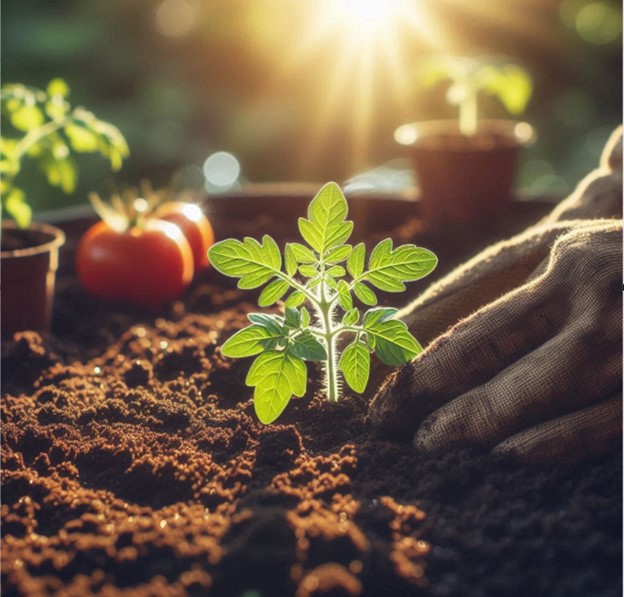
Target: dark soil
{"points": [[133, 464]]}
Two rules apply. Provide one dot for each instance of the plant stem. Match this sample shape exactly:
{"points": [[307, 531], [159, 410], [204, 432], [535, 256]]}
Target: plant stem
{"points": [[37, 134], [468, 112], [331, 371]]}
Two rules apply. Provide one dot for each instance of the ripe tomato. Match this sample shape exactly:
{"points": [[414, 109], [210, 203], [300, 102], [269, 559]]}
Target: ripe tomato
{"points": [[148, 266], [195, 226]]}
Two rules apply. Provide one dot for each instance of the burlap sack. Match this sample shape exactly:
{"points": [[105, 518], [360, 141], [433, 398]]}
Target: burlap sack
{"points": [[532, 363]]}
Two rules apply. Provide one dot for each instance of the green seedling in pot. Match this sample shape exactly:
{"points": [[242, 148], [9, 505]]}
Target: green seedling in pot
{"points": [[319, 282], [469, 77], [48, 131]]}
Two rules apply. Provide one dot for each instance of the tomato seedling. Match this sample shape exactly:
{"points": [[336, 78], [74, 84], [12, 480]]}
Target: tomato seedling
{"points": [[469, 77], [324, 275]]}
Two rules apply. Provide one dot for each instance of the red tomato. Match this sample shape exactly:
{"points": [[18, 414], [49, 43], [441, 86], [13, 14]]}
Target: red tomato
{"points": [[147, 266], [195, 226]]}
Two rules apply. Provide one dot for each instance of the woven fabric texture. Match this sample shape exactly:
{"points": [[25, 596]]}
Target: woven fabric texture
{"points": [[526, 339]]}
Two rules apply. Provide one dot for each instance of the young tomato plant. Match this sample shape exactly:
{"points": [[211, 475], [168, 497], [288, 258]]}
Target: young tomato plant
{"points": [[469, 77], [324, 275]]}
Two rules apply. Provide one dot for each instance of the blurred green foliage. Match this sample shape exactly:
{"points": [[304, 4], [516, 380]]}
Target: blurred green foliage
{"points": [[46, 129], [185, 78]]}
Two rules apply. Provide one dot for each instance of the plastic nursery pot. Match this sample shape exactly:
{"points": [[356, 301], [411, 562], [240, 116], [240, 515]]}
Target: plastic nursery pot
{"points": [[29, 260], [464, 180]]}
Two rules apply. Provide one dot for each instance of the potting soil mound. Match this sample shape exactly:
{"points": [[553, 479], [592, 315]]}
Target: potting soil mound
{"points": [[133, 464]]}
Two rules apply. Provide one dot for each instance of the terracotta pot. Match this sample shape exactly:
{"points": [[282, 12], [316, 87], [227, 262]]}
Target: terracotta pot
{"points": [[29, 260], [465, 180]]}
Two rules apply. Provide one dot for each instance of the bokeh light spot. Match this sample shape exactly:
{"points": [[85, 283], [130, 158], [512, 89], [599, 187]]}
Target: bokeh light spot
{"points": [[175, 18], [598, 23], [221, 170]]}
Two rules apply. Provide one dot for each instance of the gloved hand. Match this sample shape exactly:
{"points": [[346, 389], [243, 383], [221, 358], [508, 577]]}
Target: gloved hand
{"points": [[535, 372]]}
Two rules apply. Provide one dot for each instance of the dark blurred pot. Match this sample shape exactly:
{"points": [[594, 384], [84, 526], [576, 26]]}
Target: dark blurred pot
{"points": [[29, 260], [465, 179]]}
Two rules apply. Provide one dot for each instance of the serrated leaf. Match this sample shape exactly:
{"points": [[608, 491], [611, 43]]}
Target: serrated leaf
{"points": [[394, 345], [372, 316], [326, 226], [388, 268], [339, 254], [309, 271], [290, 260], [302, 253], [268, 320], [253, 263], [295, 299], [344, 296], [292, 318], [273, 293], [305, 317], [306, 346], [351, 317], [277, 376], [336, 271], [355, 262], [249, 341], [355, 366], [365, 294]]}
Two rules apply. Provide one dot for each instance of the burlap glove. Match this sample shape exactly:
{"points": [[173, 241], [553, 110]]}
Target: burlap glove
{"points": [[536, 368]]}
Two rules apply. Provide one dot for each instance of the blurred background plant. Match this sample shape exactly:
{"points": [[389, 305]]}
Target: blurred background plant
{"points": [[212, 93], [46, 130]]}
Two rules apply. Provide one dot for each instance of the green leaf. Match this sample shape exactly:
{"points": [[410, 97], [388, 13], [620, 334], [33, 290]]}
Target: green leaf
{"points": [[365, 294], [292, 318], [253, 263], [309, 271], [59, 172], [58, 87], [81, 139], [305, 317], [355, 366], [344, 296], [277, 376], [372, 316], [290, 260], [306, 346], [339, 254], [337, 271], [16, 206], [326, 227], [273, 293], [249, 341], [350, 317], [302, 253], [388, 269], [273, 323], [355, 263], [393, 343], [295, 299], [511, 84], [27, 118]]}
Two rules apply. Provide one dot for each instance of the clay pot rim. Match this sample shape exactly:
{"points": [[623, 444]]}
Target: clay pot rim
{"points": [[516, 132], [57, 239]]}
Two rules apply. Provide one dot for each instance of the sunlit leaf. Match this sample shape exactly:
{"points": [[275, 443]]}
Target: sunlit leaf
{"points": [[355, 262], [326, 227], [355, 366], [277, 376], [365, 294], [307, 347], [344, 296], [249, 341], [273, 293], [295, 299], [388, 269], [253, 263], [350, 317], [393, 343], [27, 118], [338, 254]]}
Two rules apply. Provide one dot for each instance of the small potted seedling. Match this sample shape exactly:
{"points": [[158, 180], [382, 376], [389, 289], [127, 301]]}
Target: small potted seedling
{"points": [[318, 283], [47, 130], [466, 167]]}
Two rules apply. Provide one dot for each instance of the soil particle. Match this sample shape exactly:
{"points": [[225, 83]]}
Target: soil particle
{"points": [[133, 465]]}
